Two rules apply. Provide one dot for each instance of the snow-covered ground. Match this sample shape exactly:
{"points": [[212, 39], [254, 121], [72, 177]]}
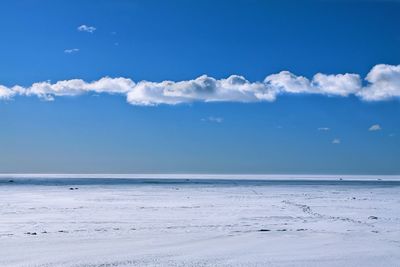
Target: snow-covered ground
{"points": [[198, 224]]}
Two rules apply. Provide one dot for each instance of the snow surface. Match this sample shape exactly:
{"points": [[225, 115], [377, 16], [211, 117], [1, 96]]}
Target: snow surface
{"points": [[187, 223]]}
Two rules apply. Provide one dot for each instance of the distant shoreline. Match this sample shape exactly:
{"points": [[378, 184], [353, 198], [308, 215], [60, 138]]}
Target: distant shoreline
{"points": [[254, 177]]}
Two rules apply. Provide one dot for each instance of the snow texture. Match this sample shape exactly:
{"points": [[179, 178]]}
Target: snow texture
{"points": [[151, 222]]}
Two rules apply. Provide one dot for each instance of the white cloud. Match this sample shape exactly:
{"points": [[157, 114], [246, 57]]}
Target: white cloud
{"points": [[324, 129], [86, 28], [375, 127], [71, 51], [336, 141], [340, 84], [204, 88], [6, 93], [384, 83], [214, 119], [48, 91], [287, 82]]}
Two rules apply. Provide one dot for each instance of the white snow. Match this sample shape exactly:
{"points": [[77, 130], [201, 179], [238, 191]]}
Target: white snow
{"points": [[166, 224]]}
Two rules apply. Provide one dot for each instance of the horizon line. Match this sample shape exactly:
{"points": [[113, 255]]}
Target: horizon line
{"points": [[204, 176]]}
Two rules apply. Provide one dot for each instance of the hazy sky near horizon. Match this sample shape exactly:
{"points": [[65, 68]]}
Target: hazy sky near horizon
{"points": [[145, 86]]}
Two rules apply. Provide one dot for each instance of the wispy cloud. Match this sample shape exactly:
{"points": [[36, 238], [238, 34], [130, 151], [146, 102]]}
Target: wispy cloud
{"points": [[324, 129], [383, 83], [375, 127], [6, 93], [71, 51], [213, 119], [336, 141], [86, 28]]}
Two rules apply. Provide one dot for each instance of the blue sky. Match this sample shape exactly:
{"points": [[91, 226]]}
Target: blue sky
{"points": [[92, 127]]}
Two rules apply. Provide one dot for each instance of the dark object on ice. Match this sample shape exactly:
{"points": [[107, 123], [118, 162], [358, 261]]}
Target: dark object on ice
{"points": [[76, 188], [44, 232], [281, 230], [379, 179], [353, 198], [11, 181], [62, 231], [264, 230], [373, 218], [29, 233], [71, 188], [340, 179], [301, 229]]}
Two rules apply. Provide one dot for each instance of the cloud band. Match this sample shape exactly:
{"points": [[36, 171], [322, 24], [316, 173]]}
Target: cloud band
{"points": [[381, 83]]}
